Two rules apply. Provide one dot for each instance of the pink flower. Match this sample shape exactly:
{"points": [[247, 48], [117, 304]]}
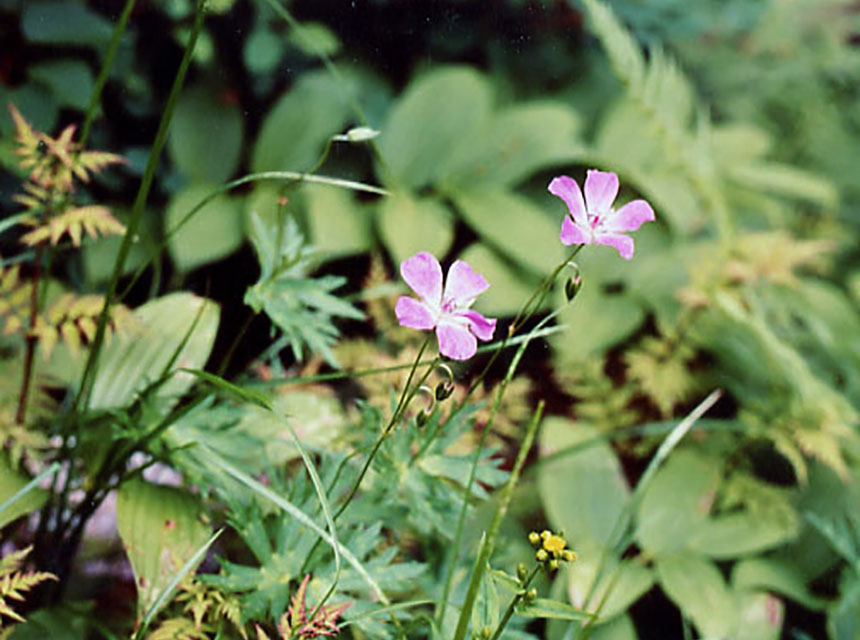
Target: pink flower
{"points": [[457, 326], [593, 220]]}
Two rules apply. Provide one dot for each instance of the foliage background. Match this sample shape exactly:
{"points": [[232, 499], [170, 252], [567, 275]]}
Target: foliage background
{"points": [[738, 120]]}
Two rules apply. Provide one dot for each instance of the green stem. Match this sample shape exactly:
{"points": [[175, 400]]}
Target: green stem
{"points": [[104, 72], [514, 602], [138, 208], [31, 339], [498, 516]]}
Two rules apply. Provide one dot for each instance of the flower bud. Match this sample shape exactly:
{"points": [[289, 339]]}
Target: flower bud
{"points": [[421, 419], [541, 555], [568, 555], [522, 572], [554, 564], [531, 594], [444, 390], [534, 539], [572, 287]]}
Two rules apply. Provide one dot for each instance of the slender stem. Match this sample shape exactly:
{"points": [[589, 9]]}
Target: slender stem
{"points": [[405, 397], [104, 72], [138, 207], [32, 339], [514, 602]]}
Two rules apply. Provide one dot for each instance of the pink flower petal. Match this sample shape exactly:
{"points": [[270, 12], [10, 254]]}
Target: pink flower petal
{"points": [[630, 217], [414, 314], [456, 341], [482, 327], [601, 187], [566, 188], [572, 234], [623, 243], [423, 273], [463, 284]]}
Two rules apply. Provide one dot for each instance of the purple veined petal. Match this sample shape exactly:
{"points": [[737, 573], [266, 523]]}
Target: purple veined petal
{"points": [[572, 234], [414, 314], [456, 341], [482, 327], [423, 274], [624, 244], [630, 217], [601, 187], [568, 190], [463, 285]]}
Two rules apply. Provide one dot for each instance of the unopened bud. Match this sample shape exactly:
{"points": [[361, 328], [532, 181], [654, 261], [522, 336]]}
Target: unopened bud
{"points": [[569, 555], [486, 633], [554, 564], [421, 420], [534, 539], [522, 572], [531, 594], [541, 555], [444, 390], [572, 287]]}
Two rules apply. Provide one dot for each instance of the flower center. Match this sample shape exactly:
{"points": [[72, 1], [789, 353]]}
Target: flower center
{"points": [[448, 306]]}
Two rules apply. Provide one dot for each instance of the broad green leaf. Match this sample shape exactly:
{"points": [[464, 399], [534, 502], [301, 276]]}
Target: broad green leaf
{"points": [[509, 288], [843, 620], [409, 224], [625, 582], [295, 131], [38, 106], [596, 320], [318, 420], [741, 533], [551, 609], [206, 134], [161, 529], [583, 492], [697, 587], [213, 232], [99, 257], [513, 144], [619, 628], [314, 39], [338, 224], [11, 482], [263, 50], [70, 81], [777, 575], [436, 112], [513, 225], [137, 357], [676, 502], [760, 616], [786, 181], [64, 23]]}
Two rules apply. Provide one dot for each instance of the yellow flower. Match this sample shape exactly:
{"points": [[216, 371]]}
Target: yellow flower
{"points": [[554, 544]]}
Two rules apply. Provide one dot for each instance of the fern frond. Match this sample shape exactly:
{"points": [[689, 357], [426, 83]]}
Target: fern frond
{"points": [[177, 629], [15, 583], [92, 219], [88, 162]]}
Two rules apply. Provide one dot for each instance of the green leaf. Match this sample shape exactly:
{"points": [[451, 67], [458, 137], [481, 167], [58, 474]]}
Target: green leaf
{"points": [[741, 533], [596, 320], [509, 286], [676, 502], [777, 575], [206, 134], [70, 81], [263, 50], [64, 23], [437, 111], [513, 144], [314, 39], [161, 530], [621, 584], [760, 616], [552, 609], [697, 587], [583, 492], [843, 620], [339, 226], [213, 232], [137, 357], [409, 224], [16, 501], [295, 131], [514, 226]]}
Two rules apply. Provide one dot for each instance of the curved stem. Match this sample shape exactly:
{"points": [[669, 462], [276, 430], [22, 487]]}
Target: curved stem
{"points": [[514, 602]]}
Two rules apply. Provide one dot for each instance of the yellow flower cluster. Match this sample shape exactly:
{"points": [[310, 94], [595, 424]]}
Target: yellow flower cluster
{"points": [[551, 548]]}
